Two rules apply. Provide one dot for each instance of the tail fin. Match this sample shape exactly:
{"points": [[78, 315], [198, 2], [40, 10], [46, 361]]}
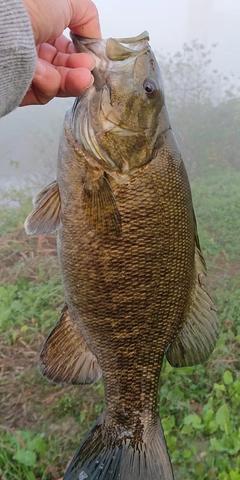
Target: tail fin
{"points": [[99, 457]]}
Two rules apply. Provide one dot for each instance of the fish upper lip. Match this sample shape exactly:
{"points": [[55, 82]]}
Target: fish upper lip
{"points": [[112, 49]]}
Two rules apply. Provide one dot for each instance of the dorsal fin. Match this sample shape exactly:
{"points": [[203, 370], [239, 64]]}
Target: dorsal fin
{"points": [[65, 357], [197, 338], [45, 218]]}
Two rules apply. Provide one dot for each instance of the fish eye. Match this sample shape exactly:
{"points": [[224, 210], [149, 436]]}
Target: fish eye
{"points": [[150, 87]]}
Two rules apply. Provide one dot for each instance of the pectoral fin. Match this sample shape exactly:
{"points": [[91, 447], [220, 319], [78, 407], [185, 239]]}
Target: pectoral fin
{"points": [[100, 207], [45, 218], [65, 357], [197, 338]]}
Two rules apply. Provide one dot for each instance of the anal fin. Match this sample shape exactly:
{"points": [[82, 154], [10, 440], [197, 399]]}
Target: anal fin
{"points": [[65, 357], [45, 217], [196, 340]]}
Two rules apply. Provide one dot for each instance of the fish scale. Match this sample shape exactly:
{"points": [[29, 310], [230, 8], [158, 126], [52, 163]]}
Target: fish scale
{"points": [[130, 260], [119, 262]]}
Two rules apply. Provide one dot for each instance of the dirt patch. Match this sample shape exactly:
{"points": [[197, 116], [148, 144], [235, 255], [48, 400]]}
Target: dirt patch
{"points": [[25, 394], [20, 254], [21, 386], [27, 399], [220, 271]]}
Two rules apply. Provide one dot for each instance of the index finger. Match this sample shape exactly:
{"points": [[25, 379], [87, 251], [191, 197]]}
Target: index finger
{"points": [[86, 25]]}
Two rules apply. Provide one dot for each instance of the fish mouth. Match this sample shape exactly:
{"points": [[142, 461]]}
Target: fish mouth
{"points": [[112, 55], [112, 49]]}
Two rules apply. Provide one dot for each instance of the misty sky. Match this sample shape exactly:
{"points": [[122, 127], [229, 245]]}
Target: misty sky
{"points": [[170, 23]]}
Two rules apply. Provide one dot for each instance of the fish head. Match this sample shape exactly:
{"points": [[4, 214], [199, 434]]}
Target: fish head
{"points": [[124, 104]]}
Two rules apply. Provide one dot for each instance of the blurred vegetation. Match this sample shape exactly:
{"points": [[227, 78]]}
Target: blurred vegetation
{"points": [[42, 424]]}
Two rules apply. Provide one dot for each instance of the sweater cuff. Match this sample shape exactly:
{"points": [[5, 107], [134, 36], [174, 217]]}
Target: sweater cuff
{"points": [[17, 54]]}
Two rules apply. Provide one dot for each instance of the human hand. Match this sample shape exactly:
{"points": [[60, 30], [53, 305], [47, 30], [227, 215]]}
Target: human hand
{"points": [[60, 70]]}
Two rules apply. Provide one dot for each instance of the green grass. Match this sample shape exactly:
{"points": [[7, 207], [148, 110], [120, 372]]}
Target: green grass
{"points": [[217, 201], [26, 455], [15, 206], [29, 305], [199, 406]]}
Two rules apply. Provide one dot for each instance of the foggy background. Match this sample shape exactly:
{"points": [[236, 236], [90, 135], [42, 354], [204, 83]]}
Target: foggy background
{"points": [[29, 136]]}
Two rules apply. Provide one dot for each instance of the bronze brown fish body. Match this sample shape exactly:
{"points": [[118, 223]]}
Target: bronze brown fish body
{"points": [[130, 261]]}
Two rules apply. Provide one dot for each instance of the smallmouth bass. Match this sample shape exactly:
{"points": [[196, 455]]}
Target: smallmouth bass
{"points": [[130, 259]]}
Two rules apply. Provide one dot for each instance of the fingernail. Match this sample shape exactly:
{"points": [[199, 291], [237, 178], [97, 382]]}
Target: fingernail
{"points": [[90, 83], [40, 68], [94, 63]]}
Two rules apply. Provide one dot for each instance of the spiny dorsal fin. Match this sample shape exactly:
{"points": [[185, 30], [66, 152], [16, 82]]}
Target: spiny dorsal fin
{"points": [[65, 357], [100, 207], [45, 218], [198, 335]]}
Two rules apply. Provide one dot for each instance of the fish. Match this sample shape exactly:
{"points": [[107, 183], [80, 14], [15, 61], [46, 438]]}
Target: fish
{"points": [[131, 264]]}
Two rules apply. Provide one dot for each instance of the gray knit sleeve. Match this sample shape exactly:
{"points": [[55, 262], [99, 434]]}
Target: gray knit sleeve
{"points": [[17, 54]]}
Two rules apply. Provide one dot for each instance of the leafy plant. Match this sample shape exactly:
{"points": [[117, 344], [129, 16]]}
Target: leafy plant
{"points": [[21, 454]]}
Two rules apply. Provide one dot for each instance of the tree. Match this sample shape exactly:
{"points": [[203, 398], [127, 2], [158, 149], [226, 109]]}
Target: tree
{"points": [[204, 108]]}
